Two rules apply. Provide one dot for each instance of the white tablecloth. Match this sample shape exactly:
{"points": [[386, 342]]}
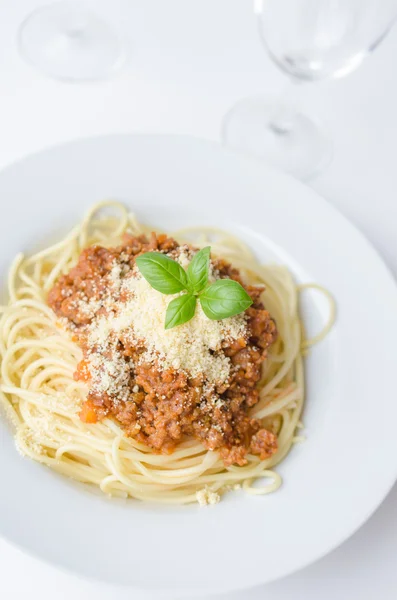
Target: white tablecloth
{"points": [[189, 61]]}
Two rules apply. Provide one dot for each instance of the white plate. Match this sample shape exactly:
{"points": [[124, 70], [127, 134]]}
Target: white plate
{"points": [[332, 483]]}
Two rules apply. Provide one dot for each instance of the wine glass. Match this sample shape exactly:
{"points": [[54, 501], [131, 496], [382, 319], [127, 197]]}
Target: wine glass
{"points": [[308, 40], [67, 41]]}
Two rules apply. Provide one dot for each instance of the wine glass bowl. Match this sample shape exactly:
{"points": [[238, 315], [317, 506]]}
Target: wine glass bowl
{"points": [[308, 40], [67, 41], [315, 39]]}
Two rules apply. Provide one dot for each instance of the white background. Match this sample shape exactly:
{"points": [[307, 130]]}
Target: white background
{"points": [[189, 61]]}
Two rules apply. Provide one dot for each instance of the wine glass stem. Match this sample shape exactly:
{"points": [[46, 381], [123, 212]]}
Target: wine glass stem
{"points": [[75, 25], [281, 122], [76, 31]]}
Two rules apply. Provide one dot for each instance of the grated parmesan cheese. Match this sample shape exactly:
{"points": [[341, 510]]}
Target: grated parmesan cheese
{"points": [[194, 347], [110, 374], [205, 497], [31, 440]]}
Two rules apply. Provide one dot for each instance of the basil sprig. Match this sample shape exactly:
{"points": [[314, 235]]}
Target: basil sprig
{"points": [[164, 274], [180, 310], [198, 269], [222, 299]]}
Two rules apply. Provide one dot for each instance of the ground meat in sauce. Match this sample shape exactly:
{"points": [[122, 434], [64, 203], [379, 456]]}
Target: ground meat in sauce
{"points": [[165, 406]]}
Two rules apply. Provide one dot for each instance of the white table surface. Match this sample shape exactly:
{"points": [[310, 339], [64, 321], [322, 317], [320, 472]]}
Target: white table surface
{"points": [[189, 61]]}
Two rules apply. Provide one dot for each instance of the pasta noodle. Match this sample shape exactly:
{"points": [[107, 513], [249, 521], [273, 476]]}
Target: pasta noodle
{"points": [[43, 400]]}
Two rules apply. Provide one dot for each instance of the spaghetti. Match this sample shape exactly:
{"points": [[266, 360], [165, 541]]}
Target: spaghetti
{"points": [[43, 399]]}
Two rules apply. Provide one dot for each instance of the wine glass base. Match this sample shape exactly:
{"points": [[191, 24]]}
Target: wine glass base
{"points": [[299, 147], [67, 41]]}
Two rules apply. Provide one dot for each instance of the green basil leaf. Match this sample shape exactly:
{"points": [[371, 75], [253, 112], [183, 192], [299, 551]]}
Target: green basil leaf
{"points": [[197, 271], [164, 274], [180, 310], [224, 298]]}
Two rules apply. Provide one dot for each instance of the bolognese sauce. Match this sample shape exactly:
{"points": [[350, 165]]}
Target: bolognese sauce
{"points": [[200, 381]]}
